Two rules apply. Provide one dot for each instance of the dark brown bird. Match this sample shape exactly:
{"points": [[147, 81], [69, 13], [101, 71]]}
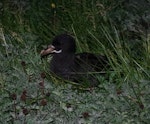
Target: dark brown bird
{"points": [[80, 68]]}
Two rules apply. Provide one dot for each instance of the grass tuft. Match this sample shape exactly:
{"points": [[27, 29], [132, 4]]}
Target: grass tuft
{"points": [[119, 30]]}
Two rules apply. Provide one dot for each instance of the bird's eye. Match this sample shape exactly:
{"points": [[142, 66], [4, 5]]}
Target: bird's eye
{"points": [[56, 43]]}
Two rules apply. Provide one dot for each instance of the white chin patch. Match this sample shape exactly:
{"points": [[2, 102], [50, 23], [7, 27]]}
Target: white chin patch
{"points": [[57, 51]]}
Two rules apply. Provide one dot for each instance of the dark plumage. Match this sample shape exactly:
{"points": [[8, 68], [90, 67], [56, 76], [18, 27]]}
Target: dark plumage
{"points": [[80, 68]]}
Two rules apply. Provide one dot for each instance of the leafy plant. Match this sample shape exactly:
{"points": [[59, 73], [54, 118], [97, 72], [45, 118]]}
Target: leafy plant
{"points": [[30, 94]]}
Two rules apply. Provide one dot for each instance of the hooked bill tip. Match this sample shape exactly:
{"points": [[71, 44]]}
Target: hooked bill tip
{"points": [[49, 50]]}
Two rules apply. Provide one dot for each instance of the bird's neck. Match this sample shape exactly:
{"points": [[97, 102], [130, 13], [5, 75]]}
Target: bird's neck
{"points": [[61, 63], [63, 57]]}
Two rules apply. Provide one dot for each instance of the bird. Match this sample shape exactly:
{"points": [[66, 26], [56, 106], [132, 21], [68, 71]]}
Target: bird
{"points": [[76, 67]]}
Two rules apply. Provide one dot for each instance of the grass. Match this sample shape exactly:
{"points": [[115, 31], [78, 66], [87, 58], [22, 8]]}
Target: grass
{"points": [[29, 94]]}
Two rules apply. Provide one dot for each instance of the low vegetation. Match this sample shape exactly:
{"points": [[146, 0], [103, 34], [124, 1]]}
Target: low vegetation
{"points": [[119, 30]]}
